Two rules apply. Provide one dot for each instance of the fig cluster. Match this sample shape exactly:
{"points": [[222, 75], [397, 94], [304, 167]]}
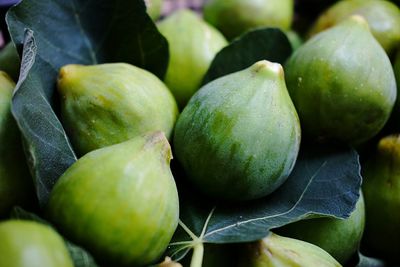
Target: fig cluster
{"points": [[236, 140]]}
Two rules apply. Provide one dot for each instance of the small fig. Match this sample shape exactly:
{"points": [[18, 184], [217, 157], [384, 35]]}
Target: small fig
{"points": [[193, 43], [107, 104], [279, 251], [381, 188], [342, 83], [154, 8], [16, 186], [120, 202], [31, 244], [383, 18], [240, 132], [234, 17], [169, 263], [339, 237]]}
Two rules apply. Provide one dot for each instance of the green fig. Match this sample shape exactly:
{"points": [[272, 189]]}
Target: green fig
{"points": [[154, 8], [240, 132], [279, 251], [342, 83], [294, 39], [16, 186], [340, 238], [193, 44], [31, 244], [120, 202], [234, 17], [107, 104], [382, 16], [381, 188], [9, 60]]}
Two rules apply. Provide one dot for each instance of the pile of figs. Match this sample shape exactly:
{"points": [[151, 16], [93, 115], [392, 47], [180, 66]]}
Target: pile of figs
{"points": [[236, 139]]}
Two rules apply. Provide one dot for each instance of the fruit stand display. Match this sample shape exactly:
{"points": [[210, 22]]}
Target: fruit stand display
{"points": [[255, 133]]}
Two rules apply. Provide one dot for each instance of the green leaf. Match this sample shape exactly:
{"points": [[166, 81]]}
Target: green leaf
{"points": [[80, 257], [266, 43], [325, 181], [79, 32]]}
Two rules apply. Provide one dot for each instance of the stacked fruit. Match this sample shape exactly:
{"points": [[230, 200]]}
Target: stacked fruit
{"points": [[256, 118]]}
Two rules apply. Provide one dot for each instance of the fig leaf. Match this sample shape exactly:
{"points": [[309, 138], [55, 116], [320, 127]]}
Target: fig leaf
{"points": [[265, 43], [325, 182]]}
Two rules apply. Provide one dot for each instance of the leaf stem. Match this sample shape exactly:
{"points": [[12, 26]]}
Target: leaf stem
{"points": [[197, 257]]}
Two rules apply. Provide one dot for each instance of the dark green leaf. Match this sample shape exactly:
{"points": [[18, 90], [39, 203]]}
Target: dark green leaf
{"points": [[80, 257], [325, 181], [268, 43], [61, 32]]}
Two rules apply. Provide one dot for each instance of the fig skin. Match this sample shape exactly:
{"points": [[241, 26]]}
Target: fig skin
{"points": [[240, 132], [235, 17], [381, 188], [342, 83], [339, 237], [382, 16], [31, 244], [154, 8], [275, 250], [120, 202], [16, 187], [106, 104], [193, 44]]}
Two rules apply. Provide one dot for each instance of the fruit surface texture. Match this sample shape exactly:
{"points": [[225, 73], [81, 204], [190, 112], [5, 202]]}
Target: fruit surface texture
{"points": [[31, 244], [119, 202], [240, 132], [193, 44], [107, 104], [342, 83], [382, 199], [234, 17]]}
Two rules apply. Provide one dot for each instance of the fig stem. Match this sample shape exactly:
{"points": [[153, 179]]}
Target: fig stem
{"points": [[197, 258]]}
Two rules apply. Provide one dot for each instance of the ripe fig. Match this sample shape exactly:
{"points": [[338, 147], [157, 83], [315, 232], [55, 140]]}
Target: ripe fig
{"points": [[340, 238], [382, 16], [342, 83], [120, 202], [31, 244], [107, 104], [16, 186], [277, 251], [193, 43], [382, 199], [234, 17], [240, 132]]}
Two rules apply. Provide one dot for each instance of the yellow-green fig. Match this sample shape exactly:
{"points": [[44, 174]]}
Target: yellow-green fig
{"points": [[193, 43], [342, 83], [279, 251], [154, 8], [382, 16], [31, 244], [240, 132], [107, 104], [381, 188], [339, 237], [120, 202], [16, 186], [234, 17]]}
